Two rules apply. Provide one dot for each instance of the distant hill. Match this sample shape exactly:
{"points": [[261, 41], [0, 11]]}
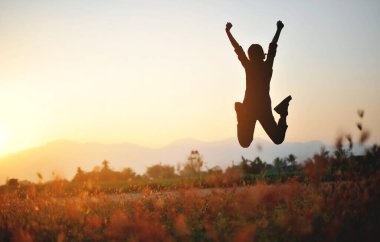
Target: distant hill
{"points": [[64, 156]]}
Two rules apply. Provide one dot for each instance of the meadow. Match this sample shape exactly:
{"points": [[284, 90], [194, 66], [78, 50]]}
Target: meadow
{"points": [[317, 207], [329, 197], [290, 211]]}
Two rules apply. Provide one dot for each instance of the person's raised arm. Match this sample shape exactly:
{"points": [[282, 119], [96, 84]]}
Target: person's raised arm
{"points": [[239, 51], [280, 25], [230, 37], [273, 44]]}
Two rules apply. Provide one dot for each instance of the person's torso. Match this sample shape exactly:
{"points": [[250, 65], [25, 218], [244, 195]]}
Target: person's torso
{"points": [[258, 76]]}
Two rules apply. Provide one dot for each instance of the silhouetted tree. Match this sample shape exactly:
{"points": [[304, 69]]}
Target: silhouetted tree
{"points": [[256, 166], [280, 164], [216, 170], [106, 166], [291, 162], [160, 171], [127, 174], [80, 176], [13, 182], [106, 174], [193, 165]]}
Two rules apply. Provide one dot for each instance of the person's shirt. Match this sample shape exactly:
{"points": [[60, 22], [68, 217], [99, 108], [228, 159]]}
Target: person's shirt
{"points": [[258, 75]]}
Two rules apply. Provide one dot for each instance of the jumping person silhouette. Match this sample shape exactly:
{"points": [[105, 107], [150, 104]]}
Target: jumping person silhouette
{"points": [[257, 103]]}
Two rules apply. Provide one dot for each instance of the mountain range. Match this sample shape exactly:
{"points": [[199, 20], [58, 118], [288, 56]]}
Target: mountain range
{"points": [[64, 156]]}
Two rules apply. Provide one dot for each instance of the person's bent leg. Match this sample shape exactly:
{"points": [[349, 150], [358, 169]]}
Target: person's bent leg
{"points": [[245, 126], [275, 131], [245, 132]]}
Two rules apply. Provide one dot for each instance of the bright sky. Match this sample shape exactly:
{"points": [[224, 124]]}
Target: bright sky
{"points": [[151, 72]]}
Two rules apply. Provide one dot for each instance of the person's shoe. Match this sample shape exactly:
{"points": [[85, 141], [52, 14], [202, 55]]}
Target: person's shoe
{"points": [[282, 107], [239, 110]]}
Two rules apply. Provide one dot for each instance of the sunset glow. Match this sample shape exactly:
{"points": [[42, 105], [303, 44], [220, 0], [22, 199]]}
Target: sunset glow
{"points": [[153, 72], [164, 120]]}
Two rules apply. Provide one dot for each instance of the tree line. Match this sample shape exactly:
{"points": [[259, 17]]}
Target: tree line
{"points": [[341, 164]]}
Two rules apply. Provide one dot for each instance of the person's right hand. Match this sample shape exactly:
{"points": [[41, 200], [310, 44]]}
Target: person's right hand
{"points": [[228, 26], [280, 25]]}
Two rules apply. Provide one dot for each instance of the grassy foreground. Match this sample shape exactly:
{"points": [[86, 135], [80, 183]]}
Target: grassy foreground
{"points": [[290, 211]]}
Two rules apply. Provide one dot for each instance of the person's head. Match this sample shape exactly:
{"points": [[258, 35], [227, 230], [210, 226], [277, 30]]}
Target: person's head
{"points": [[256, 53]]}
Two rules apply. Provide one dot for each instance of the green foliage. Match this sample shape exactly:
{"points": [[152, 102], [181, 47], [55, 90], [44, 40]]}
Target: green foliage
{"points": [[160, 171]]}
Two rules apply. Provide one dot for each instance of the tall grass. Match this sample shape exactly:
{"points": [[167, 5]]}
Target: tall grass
{"points": [[291, 211], [332, 197]]}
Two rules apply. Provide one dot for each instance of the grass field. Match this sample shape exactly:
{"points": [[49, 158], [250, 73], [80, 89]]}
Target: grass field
{"points": [[329, 197], [290, 211]]}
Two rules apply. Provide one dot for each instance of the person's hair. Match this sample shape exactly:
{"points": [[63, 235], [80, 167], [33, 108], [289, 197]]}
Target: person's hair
{"points": [[256, 52]]}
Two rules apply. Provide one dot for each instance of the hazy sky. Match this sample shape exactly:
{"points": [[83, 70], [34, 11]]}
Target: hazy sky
{"points": [[151, 72]]}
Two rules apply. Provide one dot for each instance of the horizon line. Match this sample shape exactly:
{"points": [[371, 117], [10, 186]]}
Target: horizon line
{"points": [[173, 142]]}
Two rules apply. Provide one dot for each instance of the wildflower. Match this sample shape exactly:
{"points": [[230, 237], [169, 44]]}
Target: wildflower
{"points": [[180, 225]]}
